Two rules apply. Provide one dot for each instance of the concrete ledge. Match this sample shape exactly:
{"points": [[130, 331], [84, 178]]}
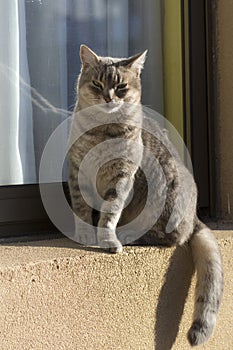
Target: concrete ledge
{"points": [[56, 295]]}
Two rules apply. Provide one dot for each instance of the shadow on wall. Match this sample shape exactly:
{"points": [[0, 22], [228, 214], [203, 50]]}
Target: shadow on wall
{"points": [[172, 298]]}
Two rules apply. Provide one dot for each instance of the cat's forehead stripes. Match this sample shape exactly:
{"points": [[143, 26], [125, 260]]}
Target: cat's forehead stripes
{"points": [[110, 74]]}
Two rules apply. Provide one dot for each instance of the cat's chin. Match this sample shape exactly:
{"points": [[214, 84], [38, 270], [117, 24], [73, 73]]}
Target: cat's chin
{"points": [[110, 107]]}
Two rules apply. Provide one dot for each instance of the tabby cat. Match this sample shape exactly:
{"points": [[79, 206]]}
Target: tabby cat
{"points": [[115, 83]]}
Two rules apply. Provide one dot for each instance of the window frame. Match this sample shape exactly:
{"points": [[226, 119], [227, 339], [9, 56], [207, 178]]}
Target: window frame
{"points": [[200, 98], [22, 213]]}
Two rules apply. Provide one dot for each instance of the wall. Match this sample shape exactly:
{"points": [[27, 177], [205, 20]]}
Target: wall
{"points": [[55, 295], [225, 107]]}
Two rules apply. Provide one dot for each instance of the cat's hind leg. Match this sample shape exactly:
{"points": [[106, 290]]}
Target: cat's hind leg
{"points": [[85, 232]]}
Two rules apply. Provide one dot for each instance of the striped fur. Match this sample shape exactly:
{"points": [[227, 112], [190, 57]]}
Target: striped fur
{"points": [[104, 79]]}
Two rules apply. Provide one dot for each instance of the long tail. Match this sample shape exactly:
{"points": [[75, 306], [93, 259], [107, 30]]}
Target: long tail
{"points": [[209, 288]]}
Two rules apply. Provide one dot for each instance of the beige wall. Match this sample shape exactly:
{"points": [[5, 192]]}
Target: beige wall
{"points": [[56, 296], [225, 107]]}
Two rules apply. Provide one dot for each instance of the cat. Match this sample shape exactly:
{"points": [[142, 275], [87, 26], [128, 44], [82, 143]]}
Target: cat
{"points": [[114, 84]]}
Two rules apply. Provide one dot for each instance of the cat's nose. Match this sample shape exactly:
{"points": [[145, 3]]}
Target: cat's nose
{"points": [[107, 99], [108, 95]]}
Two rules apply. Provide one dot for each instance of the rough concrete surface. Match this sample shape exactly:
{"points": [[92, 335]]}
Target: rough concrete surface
{"points": [[57, 295]]}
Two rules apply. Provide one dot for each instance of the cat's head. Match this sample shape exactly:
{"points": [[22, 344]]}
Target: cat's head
{"points": [[109, 80]]}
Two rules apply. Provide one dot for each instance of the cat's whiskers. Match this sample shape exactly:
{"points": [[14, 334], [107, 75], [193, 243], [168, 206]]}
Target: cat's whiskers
{"points": [[71, 107]]}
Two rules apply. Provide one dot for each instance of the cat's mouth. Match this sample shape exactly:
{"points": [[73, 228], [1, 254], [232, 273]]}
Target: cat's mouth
{"points": [[112, 106]]}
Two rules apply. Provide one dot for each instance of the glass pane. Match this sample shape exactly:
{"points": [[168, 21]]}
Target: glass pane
{"points": [[39, 65]]}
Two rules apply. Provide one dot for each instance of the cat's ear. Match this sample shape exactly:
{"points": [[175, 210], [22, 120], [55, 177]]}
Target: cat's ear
{"points": [[88, 57], [137, 61]]}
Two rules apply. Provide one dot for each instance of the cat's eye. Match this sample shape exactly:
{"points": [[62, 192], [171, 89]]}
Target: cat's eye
{"points": [[121, 86], [97, 84]]}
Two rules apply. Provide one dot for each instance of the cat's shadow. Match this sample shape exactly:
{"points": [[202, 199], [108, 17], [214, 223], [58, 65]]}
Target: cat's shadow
{"points": [[172, 298]]}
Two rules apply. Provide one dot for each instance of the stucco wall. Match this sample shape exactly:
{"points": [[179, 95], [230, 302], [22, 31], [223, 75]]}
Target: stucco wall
{"points": [[225, 107], [55, 295]]}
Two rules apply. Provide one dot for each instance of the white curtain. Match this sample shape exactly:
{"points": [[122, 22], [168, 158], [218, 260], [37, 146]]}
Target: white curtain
{"points": [[33, 85], [47, 58], [17, 161]]}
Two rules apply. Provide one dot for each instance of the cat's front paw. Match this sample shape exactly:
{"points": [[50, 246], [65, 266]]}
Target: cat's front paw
{"points": [[85, 234], [109, 242], [116, 250], [113, 246]]}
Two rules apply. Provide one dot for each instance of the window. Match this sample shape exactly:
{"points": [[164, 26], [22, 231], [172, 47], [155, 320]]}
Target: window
{"points": [[39, 65], [42, 65]]}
